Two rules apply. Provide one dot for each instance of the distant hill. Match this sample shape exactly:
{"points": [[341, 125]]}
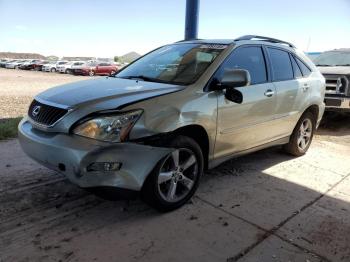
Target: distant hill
{"points": [[127, 58], [21, 55]]}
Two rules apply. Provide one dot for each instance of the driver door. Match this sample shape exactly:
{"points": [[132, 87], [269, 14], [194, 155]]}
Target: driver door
{"points": [[251, 123]]}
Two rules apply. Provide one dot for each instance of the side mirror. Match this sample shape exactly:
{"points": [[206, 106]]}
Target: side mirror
{"points": [[234, 78]]}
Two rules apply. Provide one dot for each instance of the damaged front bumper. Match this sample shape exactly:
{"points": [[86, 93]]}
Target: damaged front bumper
{"points": [[74, 156]]}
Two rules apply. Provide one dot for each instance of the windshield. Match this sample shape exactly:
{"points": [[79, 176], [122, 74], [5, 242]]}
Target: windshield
{"points": [[333, 58], [176, 64]]}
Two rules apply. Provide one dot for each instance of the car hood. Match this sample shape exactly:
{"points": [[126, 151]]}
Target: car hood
{"points": [[334, 70], [97, 91]]}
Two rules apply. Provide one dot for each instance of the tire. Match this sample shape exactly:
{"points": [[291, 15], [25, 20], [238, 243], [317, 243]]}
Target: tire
{"points": [[67, 71], [91, 73], [112, 73], [302, 135], [184, 179], [53, 70]]}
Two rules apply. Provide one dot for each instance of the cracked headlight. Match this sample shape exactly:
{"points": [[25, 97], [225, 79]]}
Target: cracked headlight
{"points": [[111, 128]]}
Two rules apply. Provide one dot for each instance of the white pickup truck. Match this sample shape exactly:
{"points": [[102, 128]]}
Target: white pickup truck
{"points": [[335, 67]]}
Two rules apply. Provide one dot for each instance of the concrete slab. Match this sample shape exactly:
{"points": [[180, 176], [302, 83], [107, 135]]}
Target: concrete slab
{"points": [[267, 187], [274, 249], [197, 232], [324, 227]]}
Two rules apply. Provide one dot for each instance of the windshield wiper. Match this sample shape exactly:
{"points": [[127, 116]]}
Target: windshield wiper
{"points": [[322, 65], [145, 78], [343, 65]]}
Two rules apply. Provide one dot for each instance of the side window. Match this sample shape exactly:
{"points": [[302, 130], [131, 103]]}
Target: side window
{"points": [[281, 65], [304, 69], [296, 69], [250, 58]]}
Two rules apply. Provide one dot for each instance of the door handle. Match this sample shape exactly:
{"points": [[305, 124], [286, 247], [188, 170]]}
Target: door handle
{"points": [[269, 93], [306, 87]]}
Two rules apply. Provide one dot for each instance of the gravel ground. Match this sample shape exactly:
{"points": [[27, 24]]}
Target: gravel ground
{"points": [[18, 87], [266, 206]]}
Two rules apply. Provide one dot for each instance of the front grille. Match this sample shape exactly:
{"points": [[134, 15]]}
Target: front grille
{"points": [[337, 84], [44, 114]]}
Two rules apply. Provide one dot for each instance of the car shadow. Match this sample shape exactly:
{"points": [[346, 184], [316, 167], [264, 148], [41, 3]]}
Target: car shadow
{"points": [[335, 124]]}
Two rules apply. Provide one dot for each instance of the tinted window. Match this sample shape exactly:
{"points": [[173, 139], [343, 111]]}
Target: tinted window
{"points": [[249, 58], [296, 69], [281, 65], [304, 69]]}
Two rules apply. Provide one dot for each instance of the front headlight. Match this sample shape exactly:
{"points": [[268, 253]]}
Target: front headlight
{"points": [[111, 128]]}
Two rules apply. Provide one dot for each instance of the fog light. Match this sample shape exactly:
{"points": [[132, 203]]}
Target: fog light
{"points": [[104, 166]]}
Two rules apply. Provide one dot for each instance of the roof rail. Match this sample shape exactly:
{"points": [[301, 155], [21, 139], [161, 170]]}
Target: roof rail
{"points": [[263, 38]]}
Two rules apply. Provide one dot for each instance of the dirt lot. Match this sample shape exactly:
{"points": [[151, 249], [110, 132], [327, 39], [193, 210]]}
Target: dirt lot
{"points": [[18, 87], [266, 206]]}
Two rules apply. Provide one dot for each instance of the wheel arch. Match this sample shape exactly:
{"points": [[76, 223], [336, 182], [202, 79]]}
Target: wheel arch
{"points": [[198, 134], [313, 109]]}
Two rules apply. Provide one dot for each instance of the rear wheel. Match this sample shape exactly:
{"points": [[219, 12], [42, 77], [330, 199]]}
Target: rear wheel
{"points": [[302, 135], [91, 73], [112, 73], [176, 177], [53, 70]]}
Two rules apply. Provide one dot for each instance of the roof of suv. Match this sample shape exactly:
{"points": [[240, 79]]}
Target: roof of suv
{"points": [[249, 38]]}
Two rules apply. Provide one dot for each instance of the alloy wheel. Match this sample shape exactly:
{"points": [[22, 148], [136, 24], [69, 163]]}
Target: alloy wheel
{"points": [[177, 175], [305, 134]]}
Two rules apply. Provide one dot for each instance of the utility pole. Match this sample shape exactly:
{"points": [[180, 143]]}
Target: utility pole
{"points": [[192, 14]]}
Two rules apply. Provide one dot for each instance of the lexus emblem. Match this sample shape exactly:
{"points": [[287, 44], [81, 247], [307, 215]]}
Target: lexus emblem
{"points": [[36, 111]]}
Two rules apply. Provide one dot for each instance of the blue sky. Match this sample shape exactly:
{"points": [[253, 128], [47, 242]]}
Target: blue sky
{"points": [[113, 27]]}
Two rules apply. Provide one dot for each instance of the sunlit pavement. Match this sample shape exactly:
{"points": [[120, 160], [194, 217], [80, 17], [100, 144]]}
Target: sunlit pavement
{"points": [[267, 206]]}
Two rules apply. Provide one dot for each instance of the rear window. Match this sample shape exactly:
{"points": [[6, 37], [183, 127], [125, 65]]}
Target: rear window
{"points": [[296, 69], [304, 69], [281, 64]]}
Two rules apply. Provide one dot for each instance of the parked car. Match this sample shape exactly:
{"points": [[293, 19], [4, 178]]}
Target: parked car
{"points": [[3, 62], [66, 68], [30, 65], [155, 129], [79, 66], [39, 65], [99, 68], [15, 64], [52, 66], [335, 66]]}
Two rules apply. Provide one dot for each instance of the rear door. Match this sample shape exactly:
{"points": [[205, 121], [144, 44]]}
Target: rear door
{"points": [[251, 123], [291, 89], [100, 68]]}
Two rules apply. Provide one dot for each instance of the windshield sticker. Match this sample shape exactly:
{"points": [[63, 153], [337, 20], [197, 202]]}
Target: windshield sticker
{"points": [[213, 46]]}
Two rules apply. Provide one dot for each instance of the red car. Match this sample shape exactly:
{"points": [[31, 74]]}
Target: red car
{"points": [[102, 68]]}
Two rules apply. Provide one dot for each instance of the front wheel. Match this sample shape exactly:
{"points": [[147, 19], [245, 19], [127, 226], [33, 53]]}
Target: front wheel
{"points": [[53, 70], [302, 135], [91, 73], [175, 178]]}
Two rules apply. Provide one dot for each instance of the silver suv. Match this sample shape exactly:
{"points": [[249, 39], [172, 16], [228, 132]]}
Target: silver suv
{"points": [[155, 126]]}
